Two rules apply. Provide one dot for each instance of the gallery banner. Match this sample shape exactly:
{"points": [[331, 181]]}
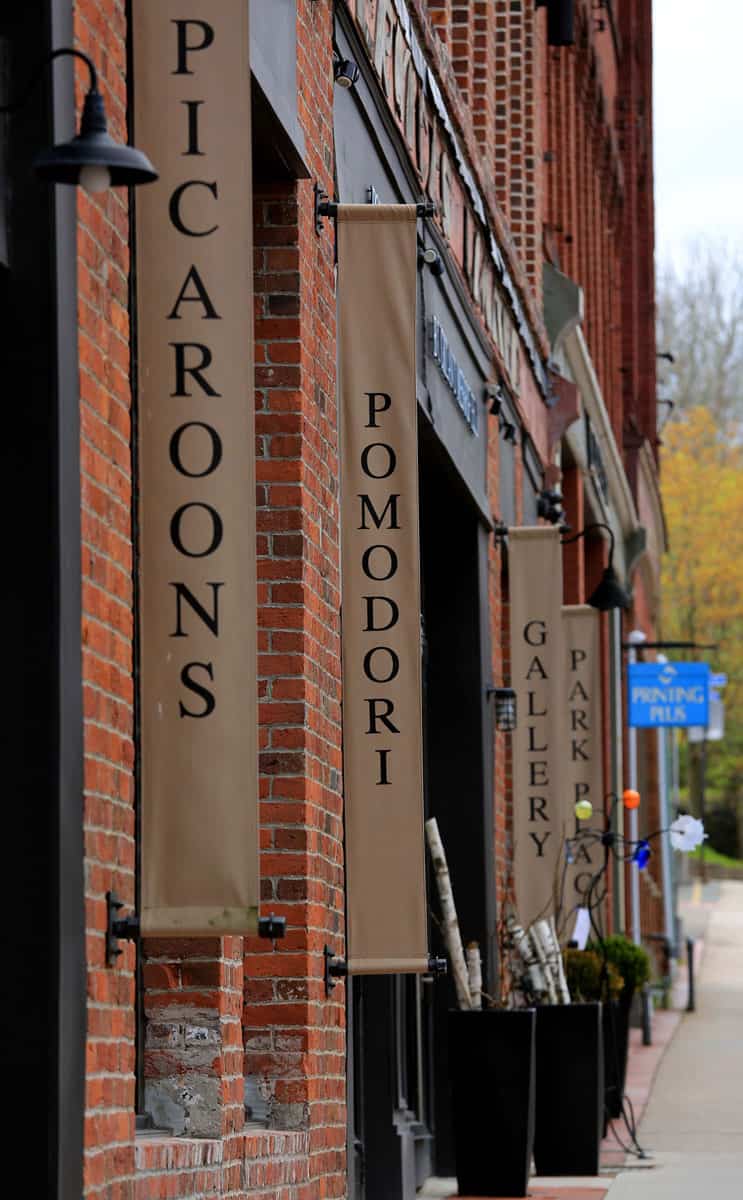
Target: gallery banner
{"points": [[197, 575], [382, 710], [583, 748], [535, 606]]}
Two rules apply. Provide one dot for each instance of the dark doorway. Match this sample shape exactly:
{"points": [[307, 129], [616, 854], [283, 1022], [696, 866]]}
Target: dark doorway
{"points": [[457, 738], [399, 1118]]}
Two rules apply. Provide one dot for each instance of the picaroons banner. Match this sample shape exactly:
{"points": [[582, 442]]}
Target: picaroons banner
{"points": [[197, 570]]}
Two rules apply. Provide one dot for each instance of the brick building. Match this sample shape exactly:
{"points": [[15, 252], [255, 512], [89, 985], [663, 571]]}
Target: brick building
{"points": [[220, 1065]]}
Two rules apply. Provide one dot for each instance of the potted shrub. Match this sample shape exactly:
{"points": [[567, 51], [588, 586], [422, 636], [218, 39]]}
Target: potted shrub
{"points": [[632, 963], [570, 1073]]}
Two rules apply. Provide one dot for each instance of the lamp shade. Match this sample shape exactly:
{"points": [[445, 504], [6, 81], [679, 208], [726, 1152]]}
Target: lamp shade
{"points": [[609, 593], [94, 148]]}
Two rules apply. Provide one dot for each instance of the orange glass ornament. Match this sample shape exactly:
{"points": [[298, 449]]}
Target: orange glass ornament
{"points": [[630, 798]]}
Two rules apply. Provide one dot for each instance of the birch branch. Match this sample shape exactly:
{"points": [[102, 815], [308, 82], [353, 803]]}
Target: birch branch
{"points": [[530, 969], [563, 990], [474, 974], [535, 937], [450, 924]]}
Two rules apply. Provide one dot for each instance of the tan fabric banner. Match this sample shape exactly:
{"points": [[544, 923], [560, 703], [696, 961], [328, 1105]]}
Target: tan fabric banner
{"points": [[382, 719], [583, 769], [197, 574], [535, 586]]}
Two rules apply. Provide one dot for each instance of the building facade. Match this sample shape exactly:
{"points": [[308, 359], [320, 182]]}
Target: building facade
{"points": [[206, 1066]]}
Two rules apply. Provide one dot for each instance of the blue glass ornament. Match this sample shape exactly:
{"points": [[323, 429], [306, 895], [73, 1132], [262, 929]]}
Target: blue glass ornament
{"points": [[642, 855]]}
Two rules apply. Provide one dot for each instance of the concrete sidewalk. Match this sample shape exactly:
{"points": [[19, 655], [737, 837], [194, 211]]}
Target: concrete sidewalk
{"points": [[686, 1088], [642, 1067], [693, 1124]]}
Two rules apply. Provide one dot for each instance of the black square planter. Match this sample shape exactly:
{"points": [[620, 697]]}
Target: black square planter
{"points": [[492, 1065], [570, 1089]]}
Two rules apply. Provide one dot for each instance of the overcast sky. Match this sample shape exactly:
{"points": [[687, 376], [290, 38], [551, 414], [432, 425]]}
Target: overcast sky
{"points": [[698, 115]]}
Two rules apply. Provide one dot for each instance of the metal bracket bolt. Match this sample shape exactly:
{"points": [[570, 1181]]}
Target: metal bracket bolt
{"points": [[124, 928], [325, 207]]}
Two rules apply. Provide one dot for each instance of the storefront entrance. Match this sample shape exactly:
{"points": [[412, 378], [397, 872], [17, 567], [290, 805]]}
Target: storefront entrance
{"points": [[399, 1115]]}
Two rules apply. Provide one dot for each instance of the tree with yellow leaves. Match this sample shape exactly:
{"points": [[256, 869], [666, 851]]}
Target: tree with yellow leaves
{"points": [[702, 485]]}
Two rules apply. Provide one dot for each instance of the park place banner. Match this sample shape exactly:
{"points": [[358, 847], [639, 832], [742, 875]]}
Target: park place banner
{"points": [[583, 768], [535, 606], [382, 708], [197, 571]]}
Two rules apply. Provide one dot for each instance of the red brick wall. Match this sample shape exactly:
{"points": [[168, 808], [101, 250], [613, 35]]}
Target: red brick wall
{"points": [[635, 126], [483, 79], [219, 1008], [584, 193], [103, 263], [502, 156], [293, 1035], [518, 128], [440, 16], [201, 993]]}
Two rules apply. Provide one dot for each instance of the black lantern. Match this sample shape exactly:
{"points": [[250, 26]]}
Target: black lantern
{"points": [[609, 593], [505, 708], [92, 159], [345, 72]]}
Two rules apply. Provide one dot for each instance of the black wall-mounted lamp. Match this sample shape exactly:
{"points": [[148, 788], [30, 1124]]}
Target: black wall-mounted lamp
{"points": [[505, 708], [509, 431], [345, 71], [432, 260], [92, 159], [549, 507], [494, 395], [609, 593]]}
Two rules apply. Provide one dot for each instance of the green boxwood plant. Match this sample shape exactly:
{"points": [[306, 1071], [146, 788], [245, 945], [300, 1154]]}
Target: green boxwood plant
{"points": [[583, 970], [631, 961]]}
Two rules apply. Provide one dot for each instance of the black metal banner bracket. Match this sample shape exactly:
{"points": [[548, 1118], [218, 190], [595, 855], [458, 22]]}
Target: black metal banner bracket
{"points": [[327, 208], [118, 928], [272, 927], [337, 968]]}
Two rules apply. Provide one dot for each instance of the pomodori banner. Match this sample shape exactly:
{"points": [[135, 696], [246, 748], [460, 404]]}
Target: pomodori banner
{"points": [[583, 770], [535, 606], [382, 710], [197, 575]]}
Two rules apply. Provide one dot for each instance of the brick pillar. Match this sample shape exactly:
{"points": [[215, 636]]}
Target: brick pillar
{"points": [[106, 566], [573, 553], [294, 1035], [517, 124], [502, 150], [483, 79], [462, 46]]}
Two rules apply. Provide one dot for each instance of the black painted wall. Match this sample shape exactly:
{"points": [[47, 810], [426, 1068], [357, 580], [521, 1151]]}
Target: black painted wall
{"points": [[42, 1002]]}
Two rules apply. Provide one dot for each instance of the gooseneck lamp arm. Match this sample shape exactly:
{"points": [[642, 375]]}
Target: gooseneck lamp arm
{"points": [[594, 525], [609, 593], [64, 52], [93, 158]]}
